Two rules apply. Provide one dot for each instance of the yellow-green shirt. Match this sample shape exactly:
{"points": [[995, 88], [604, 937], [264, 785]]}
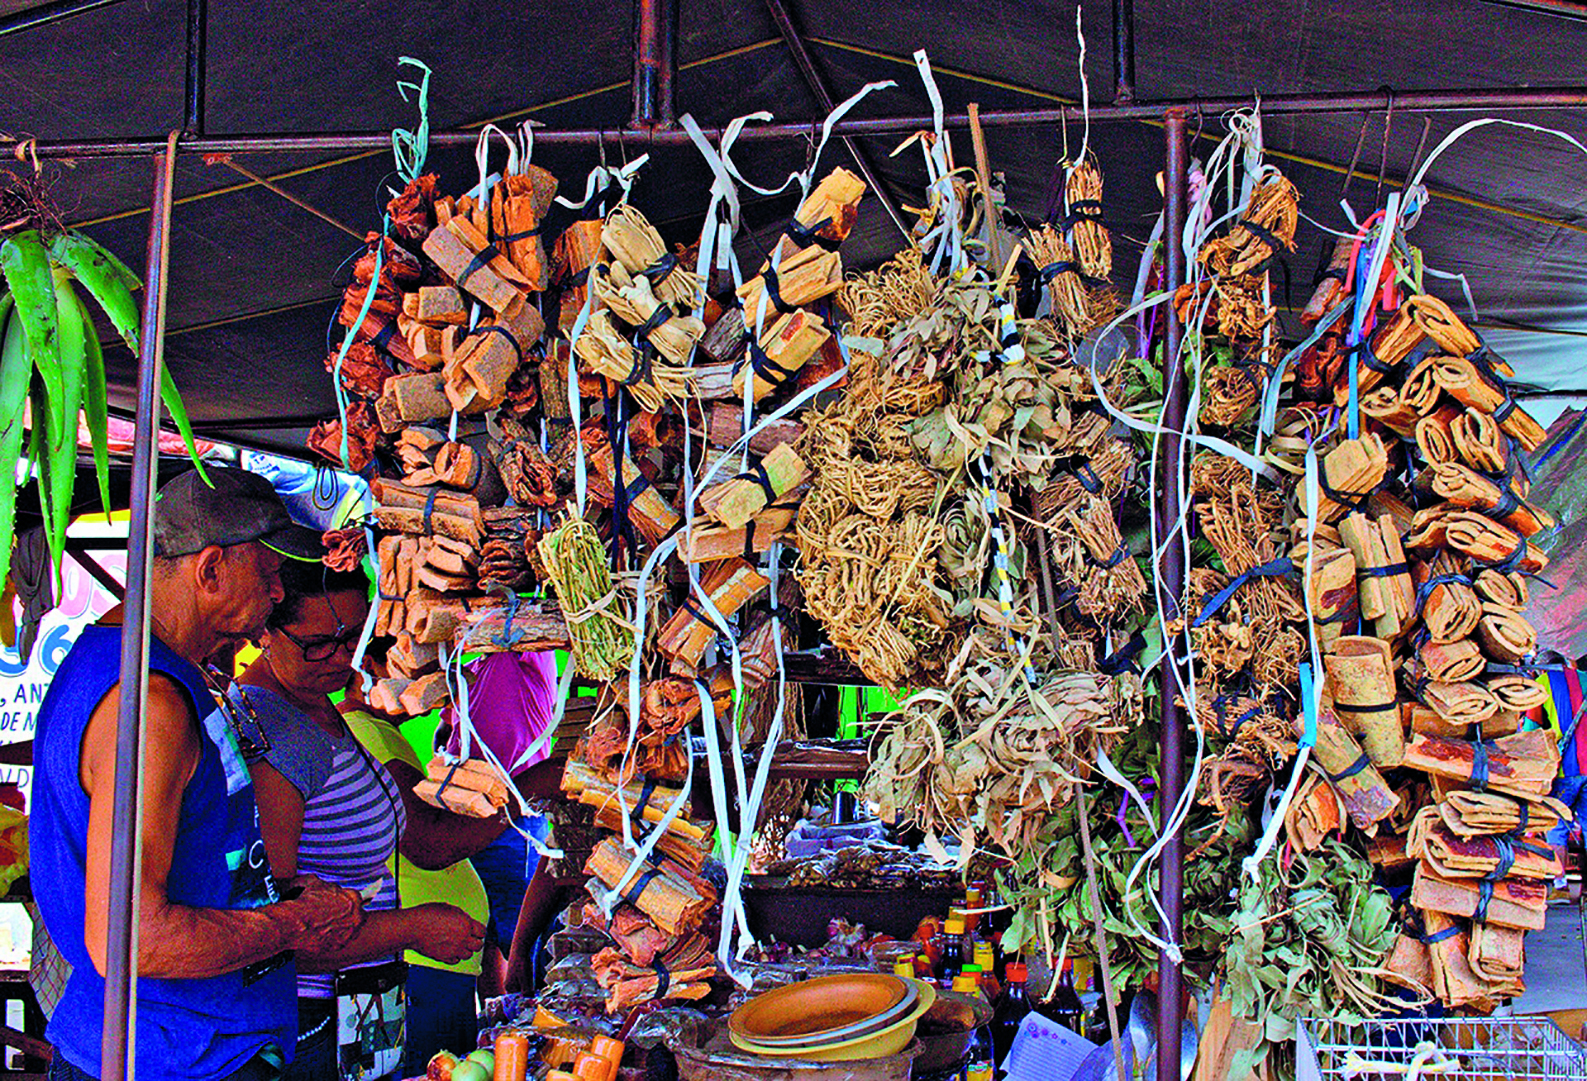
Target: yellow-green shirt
{"points": [[458, 884]]}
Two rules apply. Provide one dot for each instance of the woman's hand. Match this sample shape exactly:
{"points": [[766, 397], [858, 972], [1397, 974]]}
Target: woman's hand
{"points": [[444, 933]]}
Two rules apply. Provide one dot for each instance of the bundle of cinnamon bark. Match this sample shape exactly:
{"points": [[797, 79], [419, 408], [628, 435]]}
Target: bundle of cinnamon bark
{"points": [[510, 376], [1422, 540]]}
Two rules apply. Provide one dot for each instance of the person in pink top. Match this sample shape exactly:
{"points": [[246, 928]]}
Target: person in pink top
{"points": [[511, 701]]}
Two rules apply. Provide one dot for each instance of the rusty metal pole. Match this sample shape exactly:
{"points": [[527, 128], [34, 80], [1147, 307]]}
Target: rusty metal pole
{"points": [[197, 67], [121, 954], [1123, 51], [1424, 101], [655, 63], [1171, 579]]}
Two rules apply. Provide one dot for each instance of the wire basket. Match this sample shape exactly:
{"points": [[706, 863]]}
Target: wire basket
{"points": [[1447, 1049]]}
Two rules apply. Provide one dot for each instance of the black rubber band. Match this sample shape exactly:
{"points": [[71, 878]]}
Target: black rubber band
{"points": [[1352, 500], [1422, 352], [486, 254], [1051, 270], [1215, 601], [1370, 707], [769, 280], [505, 639], [805, 235], [1506, 854], [641, 370], [662, 313], [661, 269], [1447, 933], [1220, 711], [1527, 846], [1363, 353], [429, 510], [1484, 899], [1338, 617], [1092, 211], [634, 891], [1352, 769], [495, 328], [441, 788], [1387, 571], [1120, 554], [762, 365], [663, 978], [687, 604], [646, 790], [758, 474], [1424, 592], [1479, 360], [1123, 659], [527, 234], [1337, 273], [636, 487], [1479, 766], [384, 335], [1514, 560], [749, 541], [1507, 504], [1261, 232]]}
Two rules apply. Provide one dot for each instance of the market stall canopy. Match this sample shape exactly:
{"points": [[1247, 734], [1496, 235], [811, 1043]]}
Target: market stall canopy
{"points": [[256, 279]]}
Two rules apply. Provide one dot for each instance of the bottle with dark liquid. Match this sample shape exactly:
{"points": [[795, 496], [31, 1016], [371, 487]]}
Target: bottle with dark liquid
{"points": [[1011, 1007], [1066, 1007]]}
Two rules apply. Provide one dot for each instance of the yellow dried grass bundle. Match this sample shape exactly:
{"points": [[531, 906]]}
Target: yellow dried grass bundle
{"points": [[634, 242]]}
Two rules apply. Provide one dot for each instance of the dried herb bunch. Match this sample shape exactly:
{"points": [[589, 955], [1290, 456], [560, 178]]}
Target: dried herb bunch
{"points": [[990, 755]]}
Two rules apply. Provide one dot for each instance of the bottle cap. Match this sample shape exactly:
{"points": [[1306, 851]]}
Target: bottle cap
{"points": [[980, 1072], [1016, 972], [983, 950], [954, 925], [905, 968], [972, 968], [966, 984], [972, 895]]}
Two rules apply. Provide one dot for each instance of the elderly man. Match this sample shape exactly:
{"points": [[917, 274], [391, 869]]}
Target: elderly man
{"points": [[216, 991]]}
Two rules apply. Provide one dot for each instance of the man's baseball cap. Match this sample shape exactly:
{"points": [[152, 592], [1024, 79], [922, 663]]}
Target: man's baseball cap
{"points": [[234, 508]]}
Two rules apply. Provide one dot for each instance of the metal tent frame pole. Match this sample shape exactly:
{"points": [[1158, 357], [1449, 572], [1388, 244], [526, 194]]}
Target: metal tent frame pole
{"points": [[1428, 101], [1171, 583], [121, 965], [655, 65]]}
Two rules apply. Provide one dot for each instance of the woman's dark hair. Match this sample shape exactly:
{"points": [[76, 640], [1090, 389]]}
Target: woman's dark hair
{"points": [[300, 580]]}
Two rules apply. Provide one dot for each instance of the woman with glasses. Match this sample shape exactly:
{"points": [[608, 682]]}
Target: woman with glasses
{"points": [[328, 808]]}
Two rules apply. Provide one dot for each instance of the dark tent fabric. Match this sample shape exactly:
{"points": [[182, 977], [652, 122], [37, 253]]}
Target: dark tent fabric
{"points": [[254, 278]]}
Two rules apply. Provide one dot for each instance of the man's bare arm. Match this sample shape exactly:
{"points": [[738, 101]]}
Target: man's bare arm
{"points": [[176, 940]]}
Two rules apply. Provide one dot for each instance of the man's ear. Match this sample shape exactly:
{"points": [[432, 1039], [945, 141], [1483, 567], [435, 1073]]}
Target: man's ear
{"points": [[209, 569]]}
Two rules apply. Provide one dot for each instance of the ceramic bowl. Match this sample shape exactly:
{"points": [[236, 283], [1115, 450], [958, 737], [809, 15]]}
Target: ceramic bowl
{"points": [[885, 1041], [848, 1031], [811, 1010]]}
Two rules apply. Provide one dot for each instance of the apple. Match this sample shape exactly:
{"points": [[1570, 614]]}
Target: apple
{"points": [[442, 1063], [470, 1069], [485, 1057]]}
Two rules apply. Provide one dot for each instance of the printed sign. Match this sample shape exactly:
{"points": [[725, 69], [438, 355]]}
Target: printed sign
{"points": [[22, 686]]}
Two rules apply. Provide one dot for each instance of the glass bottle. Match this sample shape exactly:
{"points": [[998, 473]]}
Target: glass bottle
{"points": [[1012, 1006]]}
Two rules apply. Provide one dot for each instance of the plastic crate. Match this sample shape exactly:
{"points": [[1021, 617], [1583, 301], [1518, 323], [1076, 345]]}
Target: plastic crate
{"points": [[1445, 1049]]}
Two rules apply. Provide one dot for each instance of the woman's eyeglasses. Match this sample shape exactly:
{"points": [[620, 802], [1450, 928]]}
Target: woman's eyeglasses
{"points": [[322, 647]]}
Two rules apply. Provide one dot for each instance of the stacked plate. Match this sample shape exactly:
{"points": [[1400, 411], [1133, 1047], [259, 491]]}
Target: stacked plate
{"points": [[833, 1018]]}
